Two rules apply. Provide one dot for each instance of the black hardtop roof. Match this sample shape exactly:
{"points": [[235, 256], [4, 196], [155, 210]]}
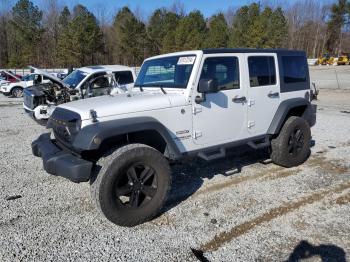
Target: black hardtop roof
{"points": [[252, 50]]}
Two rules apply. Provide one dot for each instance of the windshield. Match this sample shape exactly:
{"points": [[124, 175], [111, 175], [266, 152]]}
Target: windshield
{"points": [[167, 72], [74, 78]]}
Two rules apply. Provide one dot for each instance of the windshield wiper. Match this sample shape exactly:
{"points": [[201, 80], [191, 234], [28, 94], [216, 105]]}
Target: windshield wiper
{"points": [[162, 88], [140, 86]]}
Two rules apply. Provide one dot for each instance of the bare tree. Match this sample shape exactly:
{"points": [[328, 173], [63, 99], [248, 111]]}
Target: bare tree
{"points": [[178, 7]]}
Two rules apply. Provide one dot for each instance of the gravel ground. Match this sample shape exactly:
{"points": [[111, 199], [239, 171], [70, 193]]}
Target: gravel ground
{"points": [[241, 208]]}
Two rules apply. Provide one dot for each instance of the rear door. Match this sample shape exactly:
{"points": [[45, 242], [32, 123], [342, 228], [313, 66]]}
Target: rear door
{"points": [[263, 91]]}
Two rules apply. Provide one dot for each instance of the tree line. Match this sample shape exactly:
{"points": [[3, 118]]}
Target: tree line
{"points": [[60, 37]]}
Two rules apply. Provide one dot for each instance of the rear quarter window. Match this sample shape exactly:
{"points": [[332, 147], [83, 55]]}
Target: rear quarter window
{"points": [[294, 69]]}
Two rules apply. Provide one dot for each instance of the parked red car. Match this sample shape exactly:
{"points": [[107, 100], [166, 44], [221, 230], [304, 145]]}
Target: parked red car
{"points": [[9, 76]]}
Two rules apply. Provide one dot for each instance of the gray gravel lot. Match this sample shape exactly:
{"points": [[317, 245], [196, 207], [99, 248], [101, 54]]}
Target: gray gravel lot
{"points": [[260, 212]]}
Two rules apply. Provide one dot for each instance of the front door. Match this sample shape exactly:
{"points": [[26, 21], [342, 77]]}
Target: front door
{"points": [[221, 117], [263, 92]]}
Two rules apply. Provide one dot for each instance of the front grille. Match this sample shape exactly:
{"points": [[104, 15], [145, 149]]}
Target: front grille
{"points": [[65, 125], [62, 133]]}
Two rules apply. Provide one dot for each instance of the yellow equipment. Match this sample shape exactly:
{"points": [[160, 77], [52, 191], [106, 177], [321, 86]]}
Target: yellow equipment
{"points": [[326, 59], [343, 60]]}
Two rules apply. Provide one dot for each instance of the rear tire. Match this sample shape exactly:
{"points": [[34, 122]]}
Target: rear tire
{"points": [[17, 92], [292, 145], [132, 184]]}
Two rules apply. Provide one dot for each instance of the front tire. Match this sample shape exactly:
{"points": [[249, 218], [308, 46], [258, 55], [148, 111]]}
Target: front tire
{"points": [[292, 145], [132, 184], [17, 92]]}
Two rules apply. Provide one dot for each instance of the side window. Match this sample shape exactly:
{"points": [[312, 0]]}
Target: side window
{"points": [[38, 78], [93, 80], [100, 82], [124, 77], [224, 69], [262, 71], [99, 85], [294, 69]]}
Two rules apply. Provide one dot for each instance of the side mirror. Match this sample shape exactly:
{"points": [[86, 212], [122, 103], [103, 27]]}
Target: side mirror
{"points": [[208, 86]]}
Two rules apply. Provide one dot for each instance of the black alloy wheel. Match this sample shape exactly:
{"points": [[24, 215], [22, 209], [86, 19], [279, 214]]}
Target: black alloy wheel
{"points": [[137, 186], [296, 142]]}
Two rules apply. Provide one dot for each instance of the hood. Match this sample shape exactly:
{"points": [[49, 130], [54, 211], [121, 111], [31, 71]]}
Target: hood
{"points": [[105, 106], [10, 74], [49, 76]]}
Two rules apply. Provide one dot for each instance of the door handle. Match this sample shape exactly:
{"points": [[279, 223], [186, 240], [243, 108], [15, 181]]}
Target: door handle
{"points": [[273, 94], [239, 99]]}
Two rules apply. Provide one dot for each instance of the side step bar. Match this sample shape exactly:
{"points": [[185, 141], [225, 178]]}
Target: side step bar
{"points": [[220, 153], [258, 144], [208, 157]]}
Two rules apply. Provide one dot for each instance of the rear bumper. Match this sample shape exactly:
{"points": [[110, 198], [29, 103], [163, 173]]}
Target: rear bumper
{"points": [[61, 163]]}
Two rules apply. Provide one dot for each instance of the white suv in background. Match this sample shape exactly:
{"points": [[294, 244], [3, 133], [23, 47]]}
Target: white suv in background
{"points": [[16, 89]]}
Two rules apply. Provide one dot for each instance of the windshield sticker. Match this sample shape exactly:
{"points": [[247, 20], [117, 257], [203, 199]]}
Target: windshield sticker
{"points": [[186, 60]]}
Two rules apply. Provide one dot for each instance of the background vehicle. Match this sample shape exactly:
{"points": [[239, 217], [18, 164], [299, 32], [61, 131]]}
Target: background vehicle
{"points": [[9, 77], [60, 75], [343, 60], [16, 88], [194, 103], [326, 59], [40, 100]]}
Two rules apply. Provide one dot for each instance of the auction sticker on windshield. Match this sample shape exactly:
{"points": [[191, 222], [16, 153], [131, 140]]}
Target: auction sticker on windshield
{"points": [[186, 60]]}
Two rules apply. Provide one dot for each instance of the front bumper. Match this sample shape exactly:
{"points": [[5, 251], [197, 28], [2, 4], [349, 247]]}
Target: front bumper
{"points": [[59, 162], [29, 111], [4, 90], [31, 114], [4, 93]]}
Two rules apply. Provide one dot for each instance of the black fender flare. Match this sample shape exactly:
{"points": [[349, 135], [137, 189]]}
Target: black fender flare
{"points": [[100, 131], [283, 110]]}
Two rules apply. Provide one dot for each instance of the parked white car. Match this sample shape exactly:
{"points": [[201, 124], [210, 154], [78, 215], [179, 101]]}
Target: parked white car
{"points": [[40, 100], [16, 89]]}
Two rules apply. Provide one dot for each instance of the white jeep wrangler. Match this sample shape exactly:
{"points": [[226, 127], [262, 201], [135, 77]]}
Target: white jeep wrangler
{"points": [[195, 103]]}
